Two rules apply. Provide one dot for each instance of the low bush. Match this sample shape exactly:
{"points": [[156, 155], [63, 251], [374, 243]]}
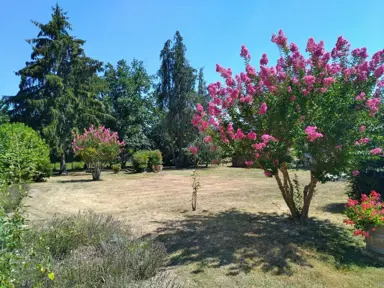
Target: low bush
{"points": [[23, 154], [154, 158], [145, 160], [140, 160], [11, 197], [116, 168], [89, 250]]}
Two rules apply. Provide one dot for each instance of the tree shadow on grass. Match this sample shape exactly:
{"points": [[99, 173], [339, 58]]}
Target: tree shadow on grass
{"points": [[268, 241], [337, 208], [77, 181]]}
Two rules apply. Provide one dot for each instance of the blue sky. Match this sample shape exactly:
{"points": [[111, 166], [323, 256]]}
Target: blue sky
{"points": [[213, 30]]}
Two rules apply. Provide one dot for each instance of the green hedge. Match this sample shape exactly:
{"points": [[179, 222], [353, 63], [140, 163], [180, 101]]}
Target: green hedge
{"points": [[371, 177], [144, 160], [24, 156]]}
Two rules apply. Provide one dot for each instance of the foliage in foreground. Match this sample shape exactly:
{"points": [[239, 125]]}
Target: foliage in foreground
{"points": [[23, 154], [319, 110], [85, 250]]}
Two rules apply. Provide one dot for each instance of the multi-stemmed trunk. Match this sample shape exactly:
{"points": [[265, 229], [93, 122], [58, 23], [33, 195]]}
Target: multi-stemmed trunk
{"points": [[96, 171], [298, 202]]}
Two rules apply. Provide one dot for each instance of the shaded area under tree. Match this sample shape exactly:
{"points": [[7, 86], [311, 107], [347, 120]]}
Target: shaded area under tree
{"points": [[270, 242]]}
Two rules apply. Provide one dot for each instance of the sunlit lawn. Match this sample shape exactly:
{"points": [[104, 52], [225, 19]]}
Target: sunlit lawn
{"points": [[239, 236]]}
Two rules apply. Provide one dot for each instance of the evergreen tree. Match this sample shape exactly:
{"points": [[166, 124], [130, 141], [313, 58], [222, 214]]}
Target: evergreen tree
{"points": [[176, 95], [57, 93], [202, 91]]}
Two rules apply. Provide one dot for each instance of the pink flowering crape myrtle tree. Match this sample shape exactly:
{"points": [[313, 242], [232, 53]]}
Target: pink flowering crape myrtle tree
{"points": [[97, 147], [317, 109]]}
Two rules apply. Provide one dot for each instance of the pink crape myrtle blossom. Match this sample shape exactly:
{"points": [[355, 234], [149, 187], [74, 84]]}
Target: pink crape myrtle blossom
{"points": [[355, 173], [312, 133], [245, 53], [248, 164], [334, 90], [373, 105], [328, 81], [361, 97], [208, 139], [264, 59], [97, 147], [199, 107], [268, 173], [193, 150], [259, 146], [266, 138], [251, 135], [376, 151], [263, 108], [364, 140]]}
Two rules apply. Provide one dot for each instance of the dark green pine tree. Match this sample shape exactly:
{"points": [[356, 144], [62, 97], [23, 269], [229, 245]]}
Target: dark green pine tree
{"points": [[58, 89], [203, 96], [176, 95]]}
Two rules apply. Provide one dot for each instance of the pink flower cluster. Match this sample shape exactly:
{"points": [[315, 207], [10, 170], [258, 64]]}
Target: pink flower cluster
{"points": [[208, 139], [193, 150], [280, 39], [243, 105], [355, 173], [92, 136], [312, 134], [248, 164], [373, 105], [244, 53], [376, 151]]}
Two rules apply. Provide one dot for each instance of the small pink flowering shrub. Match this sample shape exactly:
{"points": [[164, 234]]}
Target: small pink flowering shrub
{"points": [[319, 110], [365, 215], [203, 151], [97, 147]]}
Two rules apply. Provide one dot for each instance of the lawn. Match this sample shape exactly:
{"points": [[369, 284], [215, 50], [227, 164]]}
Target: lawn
{"points": [[239, 236]]}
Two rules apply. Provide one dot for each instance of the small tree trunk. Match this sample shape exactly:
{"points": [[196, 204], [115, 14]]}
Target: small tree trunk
{"points": [[194, 200], [63, 165], [298, 212], [96, 173], [309, 190]]}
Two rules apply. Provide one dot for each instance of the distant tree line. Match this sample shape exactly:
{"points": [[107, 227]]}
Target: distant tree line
{"points": [[62, 91]]}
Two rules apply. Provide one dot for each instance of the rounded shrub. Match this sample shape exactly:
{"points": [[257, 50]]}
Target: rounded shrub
{"points": [[154, 158], [24, 156], [140, 160], [116, 168]]}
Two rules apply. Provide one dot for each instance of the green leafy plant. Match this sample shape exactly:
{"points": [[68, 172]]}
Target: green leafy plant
{"points": [[154, 158], [140, 160], [365, 215], [23, 154], [116, 168]]}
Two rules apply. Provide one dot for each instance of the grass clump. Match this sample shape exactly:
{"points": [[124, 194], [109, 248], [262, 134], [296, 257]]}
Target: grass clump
{"points": [[90, 250]]}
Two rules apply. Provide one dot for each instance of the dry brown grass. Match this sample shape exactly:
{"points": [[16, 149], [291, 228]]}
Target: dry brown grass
{"points": [[238, 237]]}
